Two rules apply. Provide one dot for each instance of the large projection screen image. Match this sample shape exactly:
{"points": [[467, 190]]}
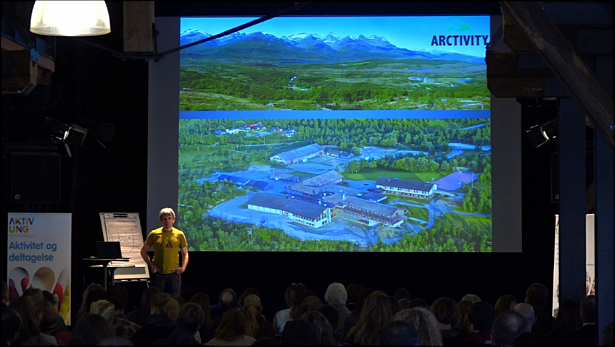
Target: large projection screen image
{"points": [[336, 134]]}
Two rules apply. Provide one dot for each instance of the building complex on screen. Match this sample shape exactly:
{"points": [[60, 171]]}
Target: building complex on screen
{"points": [[406, 188], [298, 155]]}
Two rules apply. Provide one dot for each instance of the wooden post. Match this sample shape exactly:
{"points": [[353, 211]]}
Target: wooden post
{"points": [[138, 26], [559, 54]]}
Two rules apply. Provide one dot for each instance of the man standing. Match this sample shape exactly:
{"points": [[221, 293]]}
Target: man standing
{"points": [[164, 268]]}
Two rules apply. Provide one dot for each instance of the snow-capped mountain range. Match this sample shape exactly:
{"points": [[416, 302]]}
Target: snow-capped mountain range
{"points": [[306, 47]]}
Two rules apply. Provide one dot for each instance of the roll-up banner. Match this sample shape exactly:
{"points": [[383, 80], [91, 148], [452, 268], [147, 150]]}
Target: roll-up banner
{"points": [[590, 265], [39, 256]]}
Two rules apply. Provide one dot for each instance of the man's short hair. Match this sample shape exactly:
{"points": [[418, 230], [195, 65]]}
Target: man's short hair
{"points": [[526, 311], [481, 315], [399, 333], [507, 327], [166, 212], [537, 295], [225, 294], [190, 317], [402, 293], [588, 309], [473, 298], [299, 333], [118, 295], [336, 294]]}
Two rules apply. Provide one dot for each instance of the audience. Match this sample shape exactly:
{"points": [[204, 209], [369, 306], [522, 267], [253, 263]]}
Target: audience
{"points": [[206, 331], [121, 325], [257, 325], [532, 339], [480, 316], [418, 302], [226, 300], [11, 325], [336, 296], [312, 301], [246, 292], [354, 292], [139, 315], [404, 303], [161, 322], [399, 333], [402, 293], [567, 322], [91, 329], [299, 333], [507, 327], [375, 315], [232, 331], [505, 303], [445, 310], [294, 295], [92, 293], [29, 332], [425, 323], [463, 307], [537, 295], [353, 317], [188, 321], [322, 328], [527, 311], [333, 317], [587, 335], [473, 298]]}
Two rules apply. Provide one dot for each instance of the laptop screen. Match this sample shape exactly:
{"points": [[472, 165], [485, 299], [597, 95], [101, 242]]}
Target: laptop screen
{"points": [[108, 250]]}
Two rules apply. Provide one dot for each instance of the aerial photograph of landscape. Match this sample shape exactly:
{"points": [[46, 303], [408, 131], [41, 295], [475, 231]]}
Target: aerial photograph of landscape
{"points": [[303, 138]]}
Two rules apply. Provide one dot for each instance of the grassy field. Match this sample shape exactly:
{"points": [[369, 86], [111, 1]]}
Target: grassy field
{"points": [[411, 176]]}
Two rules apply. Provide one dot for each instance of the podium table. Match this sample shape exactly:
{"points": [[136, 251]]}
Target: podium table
{"points": [[108, 270]]}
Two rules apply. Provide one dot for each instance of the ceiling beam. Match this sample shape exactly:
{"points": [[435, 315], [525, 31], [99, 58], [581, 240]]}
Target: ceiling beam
{"points": [[565, 63]]}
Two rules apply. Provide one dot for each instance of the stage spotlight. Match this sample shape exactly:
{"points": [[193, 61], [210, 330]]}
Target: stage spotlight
{"points": [[543, 133]]}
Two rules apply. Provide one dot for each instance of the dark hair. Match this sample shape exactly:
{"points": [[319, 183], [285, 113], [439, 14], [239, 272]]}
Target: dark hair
{"points": [[180, 301], [481, 315], [362, 297], [181, 338], [354, 291], [37, 299], [299, 333], [48, 296], [303, 309], [25, 308], [188, 291], [418, 302], [294, 295], [588, 309], [95, 294], [463, 307], [537, 295], [145, 303], [399, 333], [311, 292], [118, 295], [402, 293], [445, 310], [532, 339], [202, 300], [505, 302], [91, 329], [11, 324], [190, 318], [333, 317], [49, 317], [247, 292], [507, 327], [322, 328], [267, 341], [234, 303], [232, 326], [116, 341], [395, 306], [568, 317], [404, 303]]}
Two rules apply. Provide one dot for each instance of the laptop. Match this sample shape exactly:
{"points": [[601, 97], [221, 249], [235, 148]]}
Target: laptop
{"points": [[108, 250]]}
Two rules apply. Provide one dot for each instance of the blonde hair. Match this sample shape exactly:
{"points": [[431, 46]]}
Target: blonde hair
{"points": [[252, 306], [424, 321], [375, 315], [166, 211], [165, 304], [103, 308]]}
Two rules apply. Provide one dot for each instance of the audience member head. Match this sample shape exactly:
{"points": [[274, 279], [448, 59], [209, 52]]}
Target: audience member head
{"points": [[103, 308], [38, 301], [252, 310], [607, 334], [402, 293], [118, 296], [505, 303], [5, 292], [445, 310], [568, 317], [532, 339], [425, 323], [362, 297], [507, 327], [232, 327], [473, 298], [228, 299], [336, 294], [354, 291], [11, 325], [375, 315], [202, 300], [311, 292], [267, 341], [537, 295], [588, 309], [146, 297], [399, 333], [322, 328], [49, 316], [189, 318], [404, 303], [25, 309], [312, 301], [188, 291], [92, 293], [163, 303], [116, 341], [331, 314], [48, 296], [91, 329], [463, 307], [247, 292], [481, 316], [418, 302], [527, 311], [299, 333], [395, 306], [294, 295], [180, 301]]}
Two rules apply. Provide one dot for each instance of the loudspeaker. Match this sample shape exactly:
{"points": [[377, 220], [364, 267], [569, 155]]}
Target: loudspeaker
{"points": [[554, 164], [35, 177]]}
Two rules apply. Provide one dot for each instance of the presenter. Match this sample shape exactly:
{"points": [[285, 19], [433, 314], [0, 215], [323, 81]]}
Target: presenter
{"points": [[164, 268]]}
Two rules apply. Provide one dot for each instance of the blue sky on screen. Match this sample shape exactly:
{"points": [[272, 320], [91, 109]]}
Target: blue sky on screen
{"points": [[415, 33]]}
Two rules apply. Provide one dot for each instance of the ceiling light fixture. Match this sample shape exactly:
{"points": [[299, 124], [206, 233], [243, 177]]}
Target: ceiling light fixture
{"points": [[70, 18]]}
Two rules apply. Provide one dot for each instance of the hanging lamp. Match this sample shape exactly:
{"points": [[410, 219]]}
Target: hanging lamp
{"points": [[70, 18]]}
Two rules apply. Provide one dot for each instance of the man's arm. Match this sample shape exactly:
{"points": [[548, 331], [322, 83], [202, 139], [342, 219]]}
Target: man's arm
{"points": [[146, 258], [184, 262]]}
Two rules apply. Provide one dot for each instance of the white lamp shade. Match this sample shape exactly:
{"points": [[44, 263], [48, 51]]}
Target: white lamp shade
{"points": [[70, 18]]}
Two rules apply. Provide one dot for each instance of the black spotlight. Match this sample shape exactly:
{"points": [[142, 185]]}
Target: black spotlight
{"points": [[541, 134]]}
